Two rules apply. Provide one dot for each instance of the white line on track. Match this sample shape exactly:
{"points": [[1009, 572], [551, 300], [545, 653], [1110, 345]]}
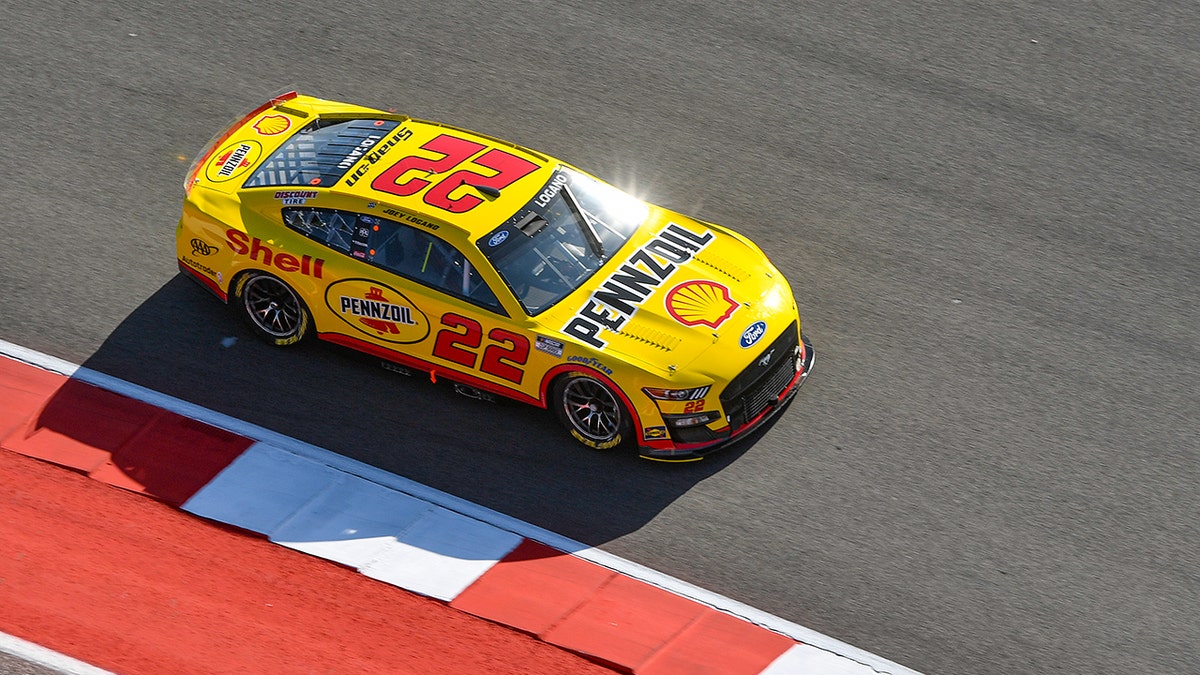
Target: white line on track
{"points": [[351, 466], [34, 653]]}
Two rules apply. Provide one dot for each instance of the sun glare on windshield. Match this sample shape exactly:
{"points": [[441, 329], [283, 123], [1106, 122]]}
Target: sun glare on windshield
{"points": [[558, 240]]}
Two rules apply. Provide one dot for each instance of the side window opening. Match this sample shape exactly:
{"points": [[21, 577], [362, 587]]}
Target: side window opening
{"points": [[397, 248], [324, 226]]}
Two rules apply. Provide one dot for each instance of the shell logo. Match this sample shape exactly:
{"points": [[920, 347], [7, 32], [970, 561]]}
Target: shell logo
{"points": [[700, 302], [272, 125]]}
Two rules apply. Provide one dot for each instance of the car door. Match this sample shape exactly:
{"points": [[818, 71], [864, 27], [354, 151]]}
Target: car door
{"points": [[470, 330], [403, 292]]}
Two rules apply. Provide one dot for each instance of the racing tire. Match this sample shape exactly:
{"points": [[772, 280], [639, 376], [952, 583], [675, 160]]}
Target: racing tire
{"points": [[591, 411], [273, 309]]}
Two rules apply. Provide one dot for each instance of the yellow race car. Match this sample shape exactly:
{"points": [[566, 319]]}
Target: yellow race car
{"points": [[467, 258]]}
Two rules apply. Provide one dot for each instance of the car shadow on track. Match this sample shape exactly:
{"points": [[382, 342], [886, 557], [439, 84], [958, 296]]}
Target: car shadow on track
{"points": [[507, 456]]}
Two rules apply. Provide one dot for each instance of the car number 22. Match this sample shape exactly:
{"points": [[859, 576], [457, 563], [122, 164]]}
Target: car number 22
{"points": [[454, 151], [461, 338]]}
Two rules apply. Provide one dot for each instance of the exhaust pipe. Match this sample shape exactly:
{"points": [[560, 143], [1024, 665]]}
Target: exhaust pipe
{"points": [[472, 392]]}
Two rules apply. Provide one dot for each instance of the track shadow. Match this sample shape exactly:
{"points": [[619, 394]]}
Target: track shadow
{"points": [[125, 442], [507, 456]]}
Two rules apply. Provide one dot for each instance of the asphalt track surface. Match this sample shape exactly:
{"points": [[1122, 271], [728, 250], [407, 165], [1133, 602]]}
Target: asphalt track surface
{"points": [[987, 213]]}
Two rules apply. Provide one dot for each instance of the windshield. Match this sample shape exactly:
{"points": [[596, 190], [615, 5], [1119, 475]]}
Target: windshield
{"points": [[557, 241]]}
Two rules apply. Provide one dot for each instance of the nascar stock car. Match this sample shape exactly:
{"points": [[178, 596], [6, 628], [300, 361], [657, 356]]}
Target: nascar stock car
{"points": [[453, 254]]}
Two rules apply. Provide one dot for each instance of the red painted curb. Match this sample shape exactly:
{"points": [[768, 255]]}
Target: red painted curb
{"points": [[137, 587], [533, 588], [625, 622], [562, 599]]}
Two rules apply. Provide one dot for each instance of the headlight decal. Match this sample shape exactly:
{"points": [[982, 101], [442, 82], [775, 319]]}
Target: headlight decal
{"points": [[693, 394]]}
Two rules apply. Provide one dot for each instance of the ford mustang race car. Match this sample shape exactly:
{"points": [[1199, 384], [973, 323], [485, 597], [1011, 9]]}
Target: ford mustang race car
{"points": [[452, 254]]}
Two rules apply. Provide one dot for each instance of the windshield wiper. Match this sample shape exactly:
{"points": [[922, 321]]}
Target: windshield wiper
{"points": [[589, 232]]}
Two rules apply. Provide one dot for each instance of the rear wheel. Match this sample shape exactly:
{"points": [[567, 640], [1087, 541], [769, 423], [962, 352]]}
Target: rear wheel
{"points": [[591, 411], [274, 310]]}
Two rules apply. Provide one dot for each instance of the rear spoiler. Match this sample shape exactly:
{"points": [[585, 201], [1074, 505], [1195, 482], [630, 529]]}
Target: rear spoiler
{"points": [[229, 130]]}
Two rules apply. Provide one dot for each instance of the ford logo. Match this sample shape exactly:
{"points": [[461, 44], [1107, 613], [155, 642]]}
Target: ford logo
{"points": [[753, 334], [498, 238]]}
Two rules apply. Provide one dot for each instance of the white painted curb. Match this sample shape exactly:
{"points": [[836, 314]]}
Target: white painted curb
{"points": [[34, 653]]}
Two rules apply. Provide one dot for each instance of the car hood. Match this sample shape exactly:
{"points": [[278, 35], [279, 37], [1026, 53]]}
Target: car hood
{"points": [[682, 295]]}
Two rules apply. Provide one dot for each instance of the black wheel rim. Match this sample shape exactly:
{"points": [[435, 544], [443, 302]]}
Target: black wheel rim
{"points": [[272, 306], [592, 409]]}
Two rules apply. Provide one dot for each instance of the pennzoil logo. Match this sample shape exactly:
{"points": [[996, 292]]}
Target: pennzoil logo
{"points": [[377, 310], [621, 294], [272, 125], [700, 302], [233, 160]]}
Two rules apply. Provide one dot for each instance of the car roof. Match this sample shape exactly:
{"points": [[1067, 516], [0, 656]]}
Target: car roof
{"points": [[369, 163]]}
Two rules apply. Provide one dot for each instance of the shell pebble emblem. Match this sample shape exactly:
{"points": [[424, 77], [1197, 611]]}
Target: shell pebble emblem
{"points": [[272, 125], [700, 302]]}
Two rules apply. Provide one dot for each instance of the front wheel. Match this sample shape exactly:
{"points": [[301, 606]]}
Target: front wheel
{"points": [[273, 309], [591, 411]]}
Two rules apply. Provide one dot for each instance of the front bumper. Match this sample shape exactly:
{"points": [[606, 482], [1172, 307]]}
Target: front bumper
{"points": [[690, 452]]}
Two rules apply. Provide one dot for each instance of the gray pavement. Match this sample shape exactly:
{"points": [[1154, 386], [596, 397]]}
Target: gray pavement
{"points": [[987, 213]]}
